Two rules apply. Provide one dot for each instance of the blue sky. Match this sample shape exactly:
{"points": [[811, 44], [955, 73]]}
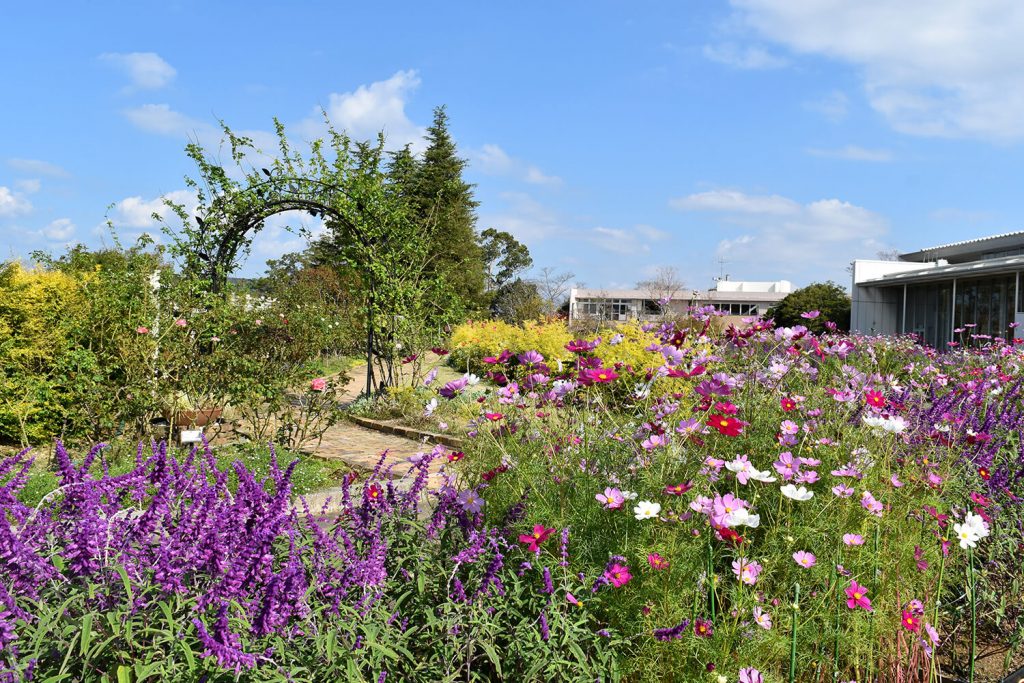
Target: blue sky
{"points": [[785, 137]]}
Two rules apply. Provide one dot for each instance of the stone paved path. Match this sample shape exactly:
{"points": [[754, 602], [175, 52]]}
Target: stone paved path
{"points": [[361, 447]]}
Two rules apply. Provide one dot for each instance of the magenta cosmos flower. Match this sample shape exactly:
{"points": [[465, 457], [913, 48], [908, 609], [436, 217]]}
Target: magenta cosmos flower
{"points": [[857, 596], [539, 535], [805, 559], [618, 575]]}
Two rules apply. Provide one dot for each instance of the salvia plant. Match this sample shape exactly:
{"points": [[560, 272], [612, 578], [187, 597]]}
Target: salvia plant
{"points": [[165, 574]]}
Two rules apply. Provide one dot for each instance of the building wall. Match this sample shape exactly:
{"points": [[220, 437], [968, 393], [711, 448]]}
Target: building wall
{"points": [[876, 310]]}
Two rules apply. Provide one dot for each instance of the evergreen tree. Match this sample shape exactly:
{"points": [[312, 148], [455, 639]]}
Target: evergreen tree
{"points": [[443, 203]]}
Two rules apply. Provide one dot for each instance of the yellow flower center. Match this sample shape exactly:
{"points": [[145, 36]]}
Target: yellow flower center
{"points": [[856, 596]]}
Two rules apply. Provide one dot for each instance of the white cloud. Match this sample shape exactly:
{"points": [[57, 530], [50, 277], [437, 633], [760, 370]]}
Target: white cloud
{"points": [[526, 219], [369, 109], [146, 69], [36, 167], [777, 237], [29, 185], [853, 153], [832, 106], [493, 160], [942, 68], [651, 233], [13, 204], [161, 119], [735, 202], [743, 57], [59, 230], [136, 212]]}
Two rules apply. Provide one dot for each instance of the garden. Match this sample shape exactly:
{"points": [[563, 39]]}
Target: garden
{"points": [[677, 500]]}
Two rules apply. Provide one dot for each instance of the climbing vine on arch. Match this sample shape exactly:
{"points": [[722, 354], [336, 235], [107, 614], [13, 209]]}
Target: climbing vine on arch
{"points": [[370, 234]]}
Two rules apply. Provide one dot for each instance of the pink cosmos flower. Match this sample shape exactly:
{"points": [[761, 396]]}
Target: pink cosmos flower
{"points": [[853, 539], [810, 315], [842, 490], [762, 619], [612, 498], [724, 506], [654, 441], [572, 599], [868, 502], [318, 384], [857, 596], [787, 466], [750, 674], [805, 559], [617, 575], [746, 571], [142, 330], [789, 427], [181, 322], [895, 481]]}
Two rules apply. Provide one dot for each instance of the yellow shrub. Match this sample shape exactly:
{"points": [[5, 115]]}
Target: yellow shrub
{"points": [[474, 340], [37, 307]]}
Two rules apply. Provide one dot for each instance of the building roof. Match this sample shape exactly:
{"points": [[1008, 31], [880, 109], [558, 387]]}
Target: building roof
{"points": [[967, 250], [740, 296], [996, 266]]}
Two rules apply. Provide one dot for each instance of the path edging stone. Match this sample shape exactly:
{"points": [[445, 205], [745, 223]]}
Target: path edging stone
{"points": [[407, 432]]}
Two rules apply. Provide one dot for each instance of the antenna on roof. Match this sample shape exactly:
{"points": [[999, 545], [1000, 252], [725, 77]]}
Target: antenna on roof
{"points": [[721, 269]]}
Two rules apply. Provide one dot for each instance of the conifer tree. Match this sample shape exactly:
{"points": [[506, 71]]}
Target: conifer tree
{"points": [[443, 203]]}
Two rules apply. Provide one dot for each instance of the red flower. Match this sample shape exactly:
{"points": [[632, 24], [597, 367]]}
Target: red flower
{"points": [[874, 399], [787, 403], [439, 351], [409, 359], [494, 417], [456, 456], [730, 536], [539, 535], [728, 426], [985, 474]]}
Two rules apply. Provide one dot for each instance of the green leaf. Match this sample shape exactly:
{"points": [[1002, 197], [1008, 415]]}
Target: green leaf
{"points": [[124, 674], [86, 634], [493, 656]]}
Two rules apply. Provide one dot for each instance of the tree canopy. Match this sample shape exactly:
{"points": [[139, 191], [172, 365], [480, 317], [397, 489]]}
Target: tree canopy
{"points": [[829, 299]]}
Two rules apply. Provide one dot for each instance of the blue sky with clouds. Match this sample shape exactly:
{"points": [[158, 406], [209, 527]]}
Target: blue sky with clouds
{"points": [[783, 137]]}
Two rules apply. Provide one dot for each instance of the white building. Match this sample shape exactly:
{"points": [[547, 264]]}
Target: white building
{"points": [[734, 297], [936, 291]]}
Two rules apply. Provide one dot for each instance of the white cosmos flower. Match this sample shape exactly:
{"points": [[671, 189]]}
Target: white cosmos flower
{"points": [[742, 517], [738, 465], [471, 378], [628, 495], [429, 409], [763, 476], [801, 493], [968, 535], [645, 509]]}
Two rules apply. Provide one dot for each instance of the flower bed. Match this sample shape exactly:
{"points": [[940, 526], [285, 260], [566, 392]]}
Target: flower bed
{"points": [[771, 504]]}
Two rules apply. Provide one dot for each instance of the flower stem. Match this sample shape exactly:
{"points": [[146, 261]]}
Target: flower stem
{"points": [[974, 614], [792, 646], [935, 613], [711, 580]]}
